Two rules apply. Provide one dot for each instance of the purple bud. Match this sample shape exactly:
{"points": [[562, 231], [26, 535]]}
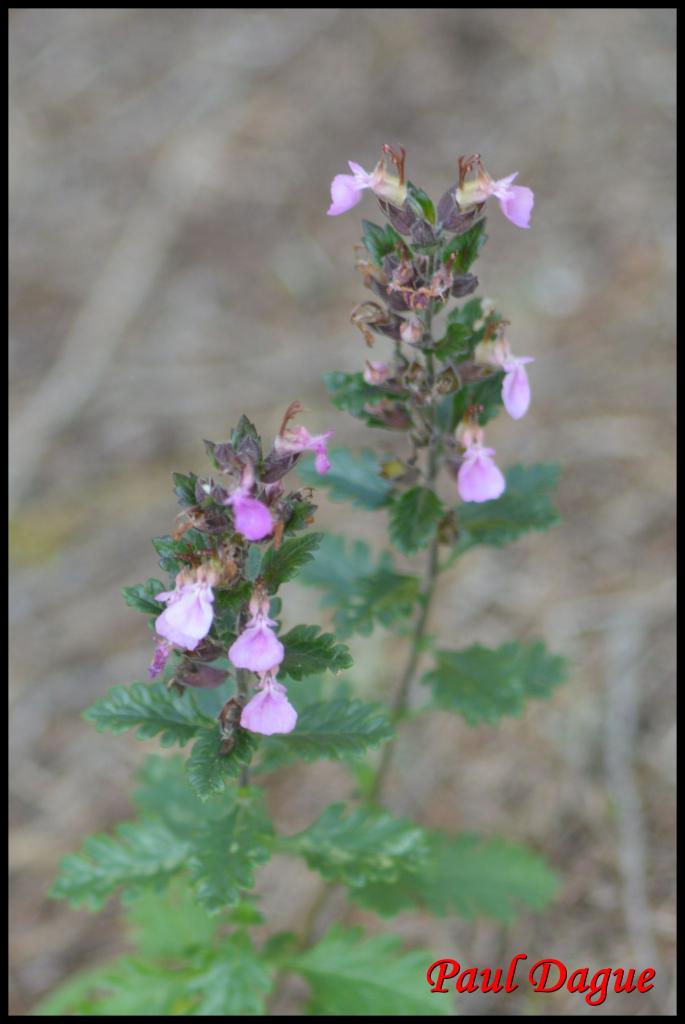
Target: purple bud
{"points": [[161, 656]]}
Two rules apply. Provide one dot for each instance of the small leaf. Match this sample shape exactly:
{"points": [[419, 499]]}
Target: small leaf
{"points": [[209, 768], [353, 976], [308, 651], [421, 202], [234, 982], [279, 566], [484, 684], [169, 925], [364, 846], [337, 730], [184, 488], [151, 709], [413, 519], [354, 478], [141, 596], [466, 246], [379, 241], [349, 392]]}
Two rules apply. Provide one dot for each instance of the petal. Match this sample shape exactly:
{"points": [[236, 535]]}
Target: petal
{"points": [[252, 518], [516, 392], [190, 616], [516, 205], [480, 479], [257, 648], [345, 194], [269, 712], [503, 183], [170, 631]]}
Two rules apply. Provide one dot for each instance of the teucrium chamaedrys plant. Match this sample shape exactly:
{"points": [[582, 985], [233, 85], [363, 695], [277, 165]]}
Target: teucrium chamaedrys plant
{"points": [[250, 700]]}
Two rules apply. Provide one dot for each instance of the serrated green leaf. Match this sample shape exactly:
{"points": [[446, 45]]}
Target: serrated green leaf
{"points": [[334, 729], [466, 247], [308, 651], [487, 394], [352, 477], [525, 505], [414, 517], [142, 853], [164, 792], [349, 392], [210, 769], [456, 343], [379, 241], [469, 876], [483, 684], [151, 709], [174, 553], [353, 976], [169, 925], [234, 982], [421, 202], [184, 488], [226, 851], [364, 846], [279, 566], [362, 594], [141, 596]]}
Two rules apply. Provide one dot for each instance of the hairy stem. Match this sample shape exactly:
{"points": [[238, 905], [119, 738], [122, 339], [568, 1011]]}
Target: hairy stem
{"points": [[242, 690]]}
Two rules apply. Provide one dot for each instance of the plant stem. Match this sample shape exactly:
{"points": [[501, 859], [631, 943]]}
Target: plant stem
{"points": [[242, 690]]}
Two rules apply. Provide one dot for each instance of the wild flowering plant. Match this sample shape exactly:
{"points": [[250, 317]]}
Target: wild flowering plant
{"points": [[252, 698]]}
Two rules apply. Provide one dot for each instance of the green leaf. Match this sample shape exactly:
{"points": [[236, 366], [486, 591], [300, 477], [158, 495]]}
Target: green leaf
{"points": [[141, 596], [164, 793], [234, 982], [171, 925], [484, 683], [467, 247], [456, 343], [151, 709], [308, 651], [352, 976], [280, 566], [365, 846], [173, 553], [354, 478], [209, 769], [486, 393], [379, 241], [144, 853], [334, 729], [525, 505], [184, 488], [413, 519], [469, 876], [421, 201], [226, 851], [362, 598]]}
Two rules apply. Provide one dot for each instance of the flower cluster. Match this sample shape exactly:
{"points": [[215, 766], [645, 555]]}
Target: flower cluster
{"points": [[414, 267], [251, 488]]}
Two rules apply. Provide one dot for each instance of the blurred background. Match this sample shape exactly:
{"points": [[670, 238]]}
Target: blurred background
{"points": [[172, 266]]}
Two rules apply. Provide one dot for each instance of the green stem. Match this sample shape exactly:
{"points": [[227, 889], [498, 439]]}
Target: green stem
{"points": [[242, 690]]}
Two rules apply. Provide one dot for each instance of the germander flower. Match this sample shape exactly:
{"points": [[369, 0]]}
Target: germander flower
{"points": [[188, 616], [298, 439], [479, 478], [346, 189], [516, 201], [269, 711], [515, 386], [251, 517], [257, 648], [376, 373]]}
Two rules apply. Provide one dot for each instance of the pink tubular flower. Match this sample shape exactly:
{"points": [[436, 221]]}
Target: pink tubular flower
{"points": [[515, 386], [257, 648], [189, 612], [376, 373], [298, 439], [479, 479], [516, 201], [269, 711], [251, 517], [346, 189]]}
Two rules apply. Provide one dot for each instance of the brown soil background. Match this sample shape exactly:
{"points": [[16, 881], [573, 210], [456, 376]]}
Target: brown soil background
{"points": [[172, 266]]}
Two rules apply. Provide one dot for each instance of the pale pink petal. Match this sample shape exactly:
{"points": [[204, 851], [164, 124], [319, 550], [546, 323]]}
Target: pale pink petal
{"points": [[345, 193], [251, 518], [503, 183], [188, 617], [479, 479], [257, 649], [516, 391], [516, 205], [269, 712]]}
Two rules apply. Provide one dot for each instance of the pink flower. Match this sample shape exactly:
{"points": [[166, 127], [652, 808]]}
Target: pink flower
{"points": [[346, 189], [189, 613], [298, 439], [158, 663], [250, 517], [479, 479], [516, 387], [257, 648], [269, 711], [516, 201]]}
